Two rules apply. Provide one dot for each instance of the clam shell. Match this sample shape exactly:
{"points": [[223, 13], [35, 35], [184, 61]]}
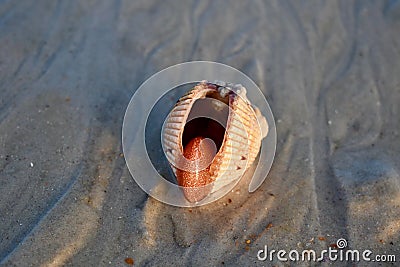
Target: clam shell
{"points": [[241, 139]]}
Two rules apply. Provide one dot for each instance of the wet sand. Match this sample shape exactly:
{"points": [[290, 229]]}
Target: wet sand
{"points": [[330, 71]]}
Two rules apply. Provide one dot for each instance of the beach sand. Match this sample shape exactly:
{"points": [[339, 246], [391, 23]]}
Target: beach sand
{"points": [[329, 70]]}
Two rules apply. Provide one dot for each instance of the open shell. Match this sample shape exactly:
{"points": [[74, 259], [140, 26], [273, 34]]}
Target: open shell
{"points": [[237, 145]]}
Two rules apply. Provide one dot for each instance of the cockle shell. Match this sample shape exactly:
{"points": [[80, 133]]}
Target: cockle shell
{"points": [[237, 134]]}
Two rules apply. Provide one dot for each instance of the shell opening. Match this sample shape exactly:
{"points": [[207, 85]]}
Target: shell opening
{"points": [[208, 118]]}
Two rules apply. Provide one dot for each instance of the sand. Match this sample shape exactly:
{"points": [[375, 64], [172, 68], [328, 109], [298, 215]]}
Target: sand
{"points": [[329, 69]]}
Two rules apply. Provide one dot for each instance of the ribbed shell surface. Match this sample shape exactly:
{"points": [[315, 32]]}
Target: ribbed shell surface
{"points": [[241, 142]]}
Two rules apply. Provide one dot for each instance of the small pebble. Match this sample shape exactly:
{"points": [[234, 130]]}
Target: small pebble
{"points": [[129, 261]]}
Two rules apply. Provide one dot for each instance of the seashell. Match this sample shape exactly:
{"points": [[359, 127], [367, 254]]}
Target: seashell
{"points": [[219, 112]]}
